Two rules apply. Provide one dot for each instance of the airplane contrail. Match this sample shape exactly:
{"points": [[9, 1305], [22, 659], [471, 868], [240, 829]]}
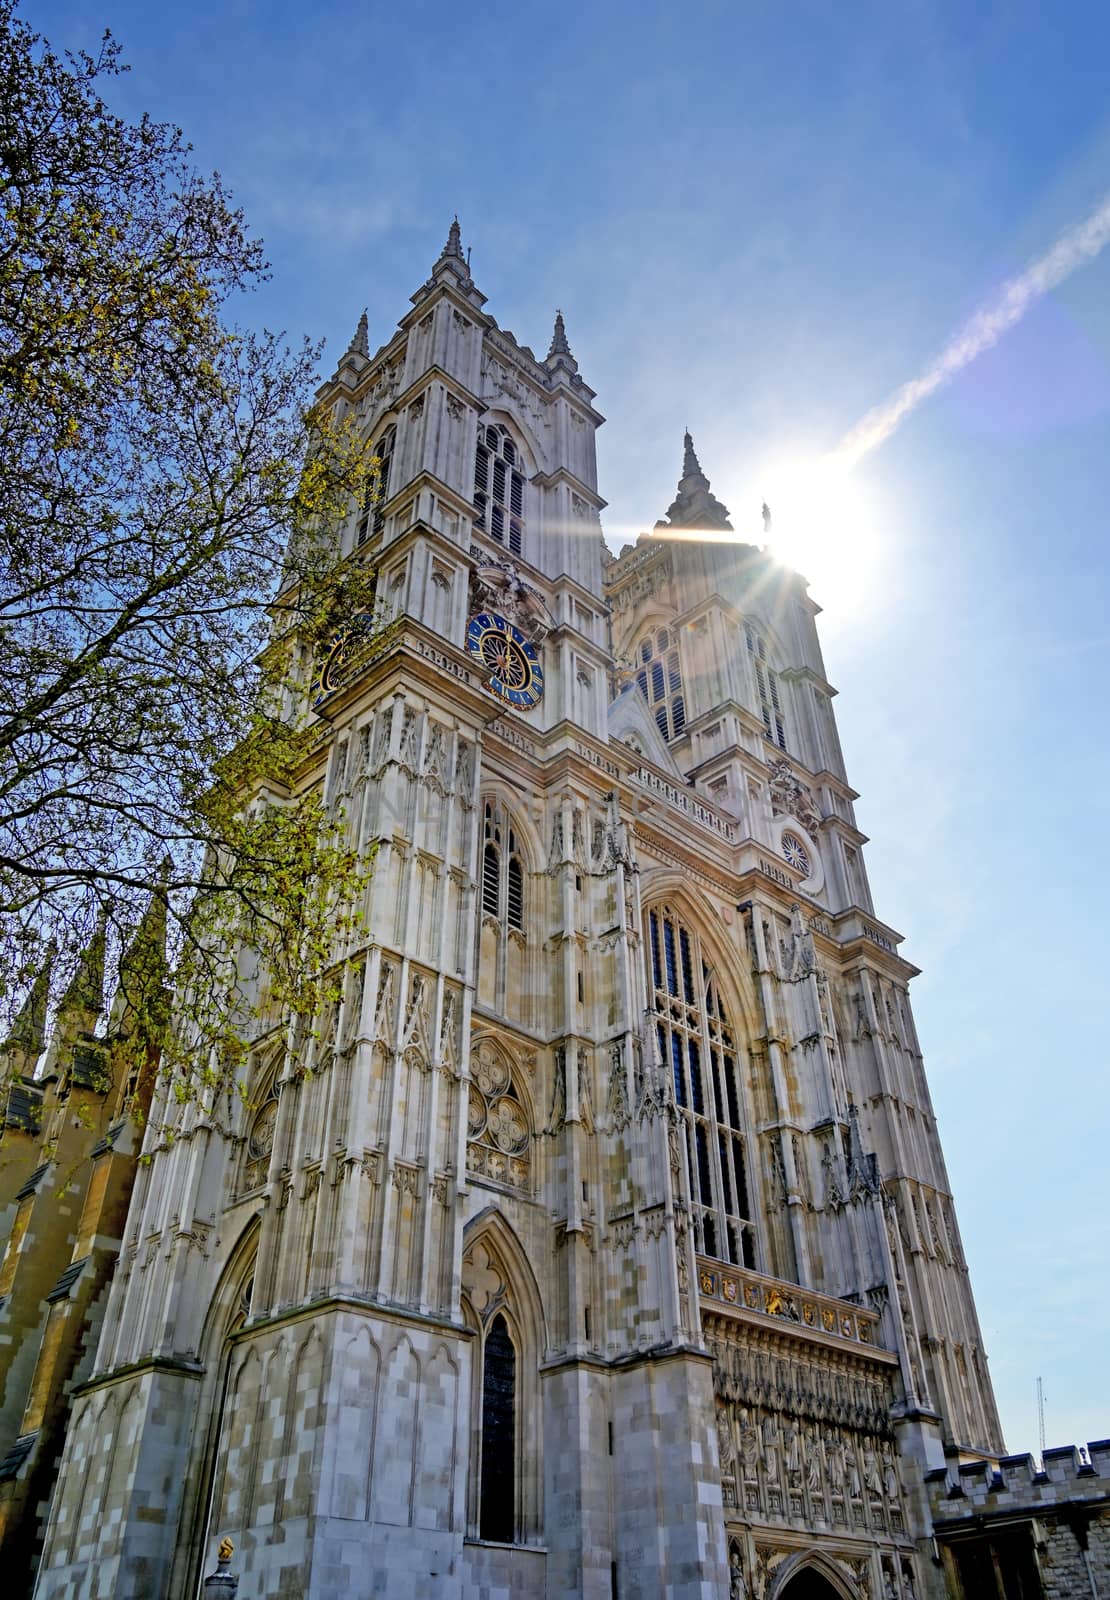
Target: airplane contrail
{"points": [[1075, 247]]}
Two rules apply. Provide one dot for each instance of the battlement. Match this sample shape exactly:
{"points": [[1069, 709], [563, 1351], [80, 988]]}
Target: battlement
{"points": [[1013, 1484]]}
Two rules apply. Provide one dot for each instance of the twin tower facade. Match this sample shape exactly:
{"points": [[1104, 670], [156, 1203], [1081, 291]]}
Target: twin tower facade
{"points": [[598, 1242]]}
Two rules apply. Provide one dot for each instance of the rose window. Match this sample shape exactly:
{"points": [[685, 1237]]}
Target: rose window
{"points": [[498, 1132], [795, 854]]}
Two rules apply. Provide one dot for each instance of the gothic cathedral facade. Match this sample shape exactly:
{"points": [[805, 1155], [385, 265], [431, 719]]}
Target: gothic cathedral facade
{"points": [[598, 1242]]}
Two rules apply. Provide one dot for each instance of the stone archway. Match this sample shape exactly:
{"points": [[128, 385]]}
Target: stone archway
{"points": [[809, 1584]]}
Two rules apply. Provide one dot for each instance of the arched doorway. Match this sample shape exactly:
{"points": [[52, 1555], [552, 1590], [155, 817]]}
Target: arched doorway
{"points": [[809, 1584]]}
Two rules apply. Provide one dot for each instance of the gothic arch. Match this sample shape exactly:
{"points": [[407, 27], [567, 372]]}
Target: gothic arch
{"points": [[491, 1228], [227, 1311], [535, 456], [500, 1295], [653, 616], [510, 801], [728, 953], [806, 1562]]}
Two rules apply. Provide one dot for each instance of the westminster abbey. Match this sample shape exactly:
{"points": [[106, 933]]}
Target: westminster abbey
{"points": [[598, 1242]]}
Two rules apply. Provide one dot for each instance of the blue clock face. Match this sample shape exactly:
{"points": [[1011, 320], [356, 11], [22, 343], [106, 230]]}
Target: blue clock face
{"points": [[513, 664]]}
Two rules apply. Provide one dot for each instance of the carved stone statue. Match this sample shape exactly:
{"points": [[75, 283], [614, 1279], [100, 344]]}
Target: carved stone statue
{"points": [[749, 1445], [813, 1463], [737, 1588], [791, 1452], [771, 1448]]}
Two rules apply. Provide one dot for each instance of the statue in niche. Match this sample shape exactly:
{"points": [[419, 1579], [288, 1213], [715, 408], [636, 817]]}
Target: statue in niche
{"points": [[724, 1438], [749, 1445], [855, 1486], [737, 1589], [559, 1091], [871, 1475], [813, 1462], [890, 1474], [835, 1457], [771, 1448], [791, 1451]]}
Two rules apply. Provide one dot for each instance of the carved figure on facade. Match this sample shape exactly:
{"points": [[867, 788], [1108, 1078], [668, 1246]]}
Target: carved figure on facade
{"points": [[801, 959], [749, 1444], [789, 797], [558, 1091], [617, 1101], [813, 1461], [585, 1100], [737, 1588], [497, 585], [770, 1434]]}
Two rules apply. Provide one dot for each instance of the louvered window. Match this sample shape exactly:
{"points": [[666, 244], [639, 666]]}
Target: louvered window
{"points": [[499, 487], [698, 1048], [502, 872], [660, 682], [371, 517], [767, 687]]}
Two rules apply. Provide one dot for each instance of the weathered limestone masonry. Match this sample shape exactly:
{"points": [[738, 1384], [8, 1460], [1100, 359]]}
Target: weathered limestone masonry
{"points": [[1006, 1529], [599, 1242]]}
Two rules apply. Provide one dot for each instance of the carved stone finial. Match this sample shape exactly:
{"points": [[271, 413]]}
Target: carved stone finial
{"points": [[559, 345], [359, 345], [691, 466], [695, 506], [453, 247], [226, 1550]]}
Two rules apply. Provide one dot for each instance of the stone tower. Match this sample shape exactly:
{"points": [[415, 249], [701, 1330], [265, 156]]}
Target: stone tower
{"points": [[598, 1242]]}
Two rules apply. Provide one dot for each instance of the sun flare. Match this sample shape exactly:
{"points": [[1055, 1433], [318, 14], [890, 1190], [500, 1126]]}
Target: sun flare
{"points": [[824, 524]]}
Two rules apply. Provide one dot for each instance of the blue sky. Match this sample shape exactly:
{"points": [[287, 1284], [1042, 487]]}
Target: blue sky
{"points": [[759, 219]]}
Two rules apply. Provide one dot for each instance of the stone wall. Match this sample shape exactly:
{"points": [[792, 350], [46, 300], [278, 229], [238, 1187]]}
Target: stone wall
{"points": [[1025, 1527]]}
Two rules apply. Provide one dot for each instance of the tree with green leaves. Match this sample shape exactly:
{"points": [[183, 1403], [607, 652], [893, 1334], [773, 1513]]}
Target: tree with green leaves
{"points": [[170, 505]]}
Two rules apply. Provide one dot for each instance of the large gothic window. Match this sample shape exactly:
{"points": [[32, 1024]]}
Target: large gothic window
{"points": [[698, 1047], [659, 677], [499, 487], [767, 687]]}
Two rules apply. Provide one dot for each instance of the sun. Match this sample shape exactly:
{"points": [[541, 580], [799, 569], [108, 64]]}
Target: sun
{"points": [[824, 524]]}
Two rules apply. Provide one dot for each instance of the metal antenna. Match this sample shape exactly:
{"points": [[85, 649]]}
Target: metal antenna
{"points": [[1040, 1412]]}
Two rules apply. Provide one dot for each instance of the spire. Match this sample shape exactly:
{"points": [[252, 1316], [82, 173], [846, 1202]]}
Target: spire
{"points": [[452, 267], [86, 987], [559, 345], [695, 506], [691, 466], [143, 973], [28, 1034], [360, 343], [453, 247]]}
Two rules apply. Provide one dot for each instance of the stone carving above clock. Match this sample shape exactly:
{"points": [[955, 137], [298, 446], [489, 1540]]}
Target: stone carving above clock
{"points": [[497, 586], [792, 798]]}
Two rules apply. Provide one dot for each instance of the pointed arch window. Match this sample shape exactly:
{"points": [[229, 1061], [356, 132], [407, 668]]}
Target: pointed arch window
{"points": [[499, 487], [502, 873], [767, 687], [659, 677], [697, 1046], [372, 517], [497, 1504]]}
